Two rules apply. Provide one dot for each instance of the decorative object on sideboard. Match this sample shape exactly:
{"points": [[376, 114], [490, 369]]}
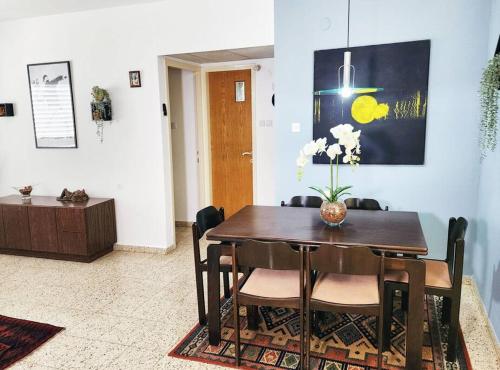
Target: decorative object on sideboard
{"points": [[135, 78], [490, 83], [6, 110], [25, 192], [52, 105], [101, 109], [333, 210], [388, 97], [77, 196]]}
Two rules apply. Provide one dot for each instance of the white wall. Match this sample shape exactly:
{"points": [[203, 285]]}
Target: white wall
{"points": [[184, 144], [103, 45]]}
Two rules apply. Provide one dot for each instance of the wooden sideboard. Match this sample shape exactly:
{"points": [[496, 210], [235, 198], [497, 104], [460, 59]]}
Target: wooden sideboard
{"points": [[49, 228]]}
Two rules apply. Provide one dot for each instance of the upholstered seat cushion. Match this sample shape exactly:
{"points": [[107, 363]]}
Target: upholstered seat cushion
{"points": [[346, 289], [273, 283], [436, 274], [226, 260]]}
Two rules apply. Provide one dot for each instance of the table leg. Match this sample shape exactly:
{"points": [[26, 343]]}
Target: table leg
{"points": [[213, 287], [415, 326]]}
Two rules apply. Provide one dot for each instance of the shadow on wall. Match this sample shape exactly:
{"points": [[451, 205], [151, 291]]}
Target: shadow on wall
{"points": [[477, 258], [495, 289], [436, 234]]}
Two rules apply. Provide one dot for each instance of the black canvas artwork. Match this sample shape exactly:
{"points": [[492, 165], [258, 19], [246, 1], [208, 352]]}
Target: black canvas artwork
{"points": [[388, 102]]}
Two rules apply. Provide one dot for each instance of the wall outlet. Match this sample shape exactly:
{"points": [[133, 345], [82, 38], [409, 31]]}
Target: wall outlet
{"points": [[296, 127]]}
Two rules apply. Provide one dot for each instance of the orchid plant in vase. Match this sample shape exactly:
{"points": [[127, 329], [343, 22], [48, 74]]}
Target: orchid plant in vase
{"points": [[332, 210]]}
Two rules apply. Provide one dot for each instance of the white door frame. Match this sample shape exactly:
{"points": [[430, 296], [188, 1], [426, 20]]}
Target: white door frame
{"points": [[203, 127]]}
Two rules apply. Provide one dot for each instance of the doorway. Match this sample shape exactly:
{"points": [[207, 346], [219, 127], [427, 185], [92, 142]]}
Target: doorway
{"points": [[230, 112]]}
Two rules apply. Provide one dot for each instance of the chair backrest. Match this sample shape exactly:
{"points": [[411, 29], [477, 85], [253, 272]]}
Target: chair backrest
{"points": [[208, 218], [345, 260], [273, 256], [307, 201], [364, 204], [455, 249]]}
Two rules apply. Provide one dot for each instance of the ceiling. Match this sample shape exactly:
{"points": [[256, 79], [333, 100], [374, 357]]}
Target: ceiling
{"points": [[14, 9], [230, 55]]}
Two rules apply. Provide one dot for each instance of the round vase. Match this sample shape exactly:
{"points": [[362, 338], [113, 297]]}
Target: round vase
{"points": [[333, 213]]}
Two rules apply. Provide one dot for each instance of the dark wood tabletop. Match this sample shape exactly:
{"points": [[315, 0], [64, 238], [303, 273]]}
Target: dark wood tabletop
{"points": [[384, 230]]}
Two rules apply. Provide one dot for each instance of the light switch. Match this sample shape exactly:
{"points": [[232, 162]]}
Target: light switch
{"points": [[269, 123], [262, 123], [296, 127]]}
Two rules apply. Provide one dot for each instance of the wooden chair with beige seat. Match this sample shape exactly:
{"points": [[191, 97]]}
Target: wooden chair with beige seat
{"points": [[442, 278], [276, 280], [349, 280], [206, 219]]}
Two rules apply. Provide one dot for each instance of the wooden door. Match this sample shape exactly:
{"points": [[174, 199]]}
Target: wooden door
{"points": [[231, 140]]}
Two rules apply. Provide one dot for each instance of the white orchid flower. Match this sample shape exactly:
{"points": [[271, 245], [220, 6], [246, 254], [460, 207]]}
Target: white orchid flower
{"points": [[321, 144], [310, 148], [301, 159], [333, 151]]}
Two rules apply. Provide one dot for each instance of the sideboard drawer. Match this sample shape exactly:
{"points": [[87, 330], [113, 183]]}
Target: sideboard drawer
{"points": [[43, 229], [71, 220], [16, 227], [72, 243]]}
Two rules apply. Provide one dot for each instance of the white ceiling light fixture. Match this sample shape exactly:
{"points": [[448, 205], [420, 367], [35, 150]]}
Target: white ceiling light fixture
{"points": [[346, 69]]}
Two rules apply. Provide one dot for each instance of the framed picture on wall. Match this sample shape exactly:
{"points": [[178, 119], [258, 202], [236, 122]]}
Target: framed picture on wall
{"points": [[135, 78], [52, 105]]}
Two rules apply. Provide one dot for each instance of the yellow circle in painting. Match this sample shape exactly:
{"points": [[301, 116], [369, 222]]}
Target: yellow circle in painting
{"points": [[364, 109]]}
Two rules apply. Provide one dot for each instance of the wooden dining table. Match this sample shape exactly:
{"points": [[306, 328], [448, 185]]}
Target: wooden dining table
{"points": [[393, 232]]}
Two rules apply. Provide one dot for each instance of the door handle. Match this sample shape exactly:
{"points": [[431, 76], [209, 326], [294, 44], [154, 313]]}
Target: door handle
{"points": [[246, 153]]}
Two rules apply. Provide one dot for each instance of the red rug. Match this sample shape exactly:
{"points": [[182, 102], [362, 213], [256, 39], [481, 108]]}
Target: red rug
{"points": [[345, 341], [18, 338]]}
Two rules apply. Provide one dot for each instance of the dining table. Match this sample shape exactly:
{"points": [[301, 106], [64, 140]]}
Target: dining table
{"points": [[396, 233]]}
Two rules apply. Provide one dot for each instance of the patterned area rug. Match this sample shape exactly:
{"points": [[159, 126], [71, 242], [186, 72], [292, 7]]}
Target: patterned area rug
{"points": [[345, 342], [18, 338]]}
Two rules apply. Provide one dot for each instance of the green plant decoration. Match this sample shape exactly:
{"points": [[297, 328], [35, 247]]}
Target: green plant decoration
{"points": [[490, 83], [99, 94]]}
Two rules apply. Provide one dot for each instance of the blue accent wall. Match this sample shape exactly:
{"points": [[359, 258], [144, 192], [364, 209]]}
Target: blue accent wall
{"points": [[487, 249], [447, 184]]}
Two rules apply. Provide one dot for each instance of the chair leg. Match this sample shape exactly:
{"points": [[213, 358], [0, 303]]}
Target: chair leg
{"points": [[453, 330], [253, 317], [236, 333], [446, 311], [225, 278], [380, 341], [404, 301], [202, 316], [387, 319]]}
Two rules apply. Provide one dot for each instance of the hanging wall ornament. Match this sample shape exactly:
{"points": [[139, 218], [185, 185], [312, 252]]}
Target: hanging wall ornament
{"points": [[101, 109]]}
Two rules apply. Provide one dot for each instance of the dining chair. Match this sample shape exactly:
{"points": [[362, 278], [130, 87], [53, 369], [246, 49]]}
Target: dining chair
{"points": [[349, 280], [206, 219], [276, 280], [364, 203], [442, 278], [307, 201]]}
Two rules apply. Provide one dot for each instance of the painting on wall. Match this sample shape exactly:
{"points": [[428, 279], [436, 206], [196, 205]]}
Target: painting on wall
{"points": [[388, 100], [52, 105]]}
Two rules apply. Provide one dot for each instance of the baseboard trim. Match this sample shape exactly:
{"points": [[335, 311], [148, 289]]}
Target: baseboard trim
{"points": [[183, 223], [143, 249], [469, 280]]}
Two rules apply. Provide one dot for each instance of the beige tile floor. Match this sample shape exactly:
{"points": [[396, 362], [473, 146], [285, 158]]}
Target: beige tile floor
{"points": [[127, 310]]}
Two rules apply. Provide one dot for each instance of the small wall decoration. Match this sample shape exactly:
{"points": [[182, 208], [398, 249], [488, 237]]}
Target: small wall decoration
{"points": [[6, 110], [135, 78], [101, 109], [239, 91], [387, 99], [52, 105]]}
